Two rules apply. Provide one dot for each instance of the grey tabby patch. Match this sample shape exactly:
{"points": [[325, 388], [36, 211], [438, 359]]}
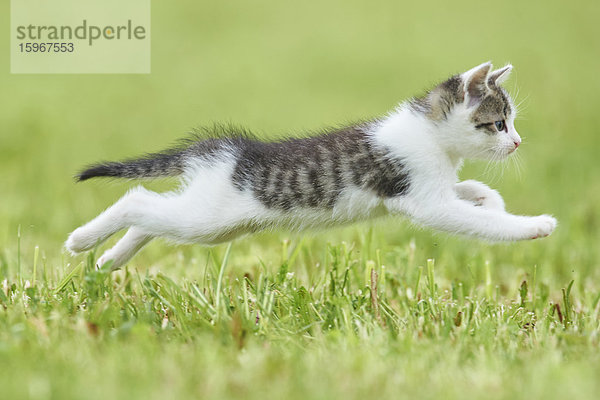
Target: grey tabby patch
{"points": [[494, 103], [313, 172], [494, 106], [438, 102]]}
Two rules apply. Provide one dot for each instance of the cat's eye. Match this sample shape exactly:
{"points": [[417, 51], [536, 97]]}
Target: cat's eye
{"points": [[500, 125]]}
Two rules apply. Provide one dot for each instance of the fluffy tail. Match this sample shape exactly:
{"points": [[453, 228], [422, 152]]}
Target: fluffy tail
{"points": [[167, 163], [204, 142]]}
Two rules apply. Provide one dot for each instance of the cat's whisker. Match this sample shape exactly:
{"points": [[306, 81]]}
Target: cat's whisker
{"points": [[488, 164], [521, 108], [522, 102], [518, 165], [493, 161], [502, 167]]}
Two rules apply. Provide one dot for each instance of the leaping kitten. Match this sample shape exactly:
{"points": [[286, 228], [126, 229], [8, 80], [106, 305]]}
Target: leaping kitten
{"points": [[405, 163]]}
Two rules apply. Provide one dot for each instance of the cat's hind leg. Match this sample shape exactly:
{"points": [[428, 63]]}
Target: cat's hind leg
{"points": [[119, 216], [208, 210], [125, 249]]}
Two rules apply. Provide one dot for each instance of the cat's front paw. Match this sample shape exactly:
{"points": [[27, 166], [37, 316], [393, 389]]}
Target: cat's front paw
{"points": [[491, 200], [479, 194], [541, 226]]}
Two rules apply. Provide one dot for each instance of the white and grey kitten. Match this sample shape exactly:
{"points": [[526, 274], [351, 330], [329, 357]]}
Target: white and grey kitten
{"points": [[405, 163]]}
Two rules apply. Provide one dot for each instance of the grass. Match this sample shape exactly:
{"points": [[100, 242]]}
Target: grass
{"points": [[345, 327], [356, 312]]}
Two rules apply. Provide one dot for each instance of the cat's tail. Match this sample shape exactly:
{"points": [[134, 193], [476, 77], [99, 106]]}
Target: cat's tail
{"points": [[154, 165], [203, 143]]}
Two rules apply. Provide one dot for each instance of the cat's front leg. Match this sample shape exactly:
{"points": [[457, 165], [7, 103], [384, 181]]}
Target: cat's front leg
{"points": [[461, 217], [479, 194]]}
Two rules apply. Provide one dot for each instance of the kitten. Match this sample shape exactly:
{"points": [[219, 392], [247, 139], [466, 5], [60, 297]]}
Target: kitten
{"points": [[405, 163]]}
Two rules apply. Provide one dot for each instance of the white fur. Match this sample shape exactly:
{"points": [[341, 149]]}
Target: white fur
{"points": [[208, 209], [433, 153]]}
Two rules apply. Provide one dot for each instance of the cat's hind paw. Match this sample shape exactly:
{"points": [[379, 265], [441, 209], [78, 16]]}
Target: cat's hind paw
{"points": [[79, 241], [107, 259]]}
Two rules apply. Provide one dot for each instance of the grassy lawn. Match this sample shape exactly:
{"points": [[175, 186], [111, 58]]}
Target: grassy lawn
{"points": [[373, 310]]}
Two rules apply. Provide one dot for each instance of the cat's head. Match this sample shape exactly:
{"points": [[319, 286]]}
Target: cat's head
{"points": [[475, 115]]}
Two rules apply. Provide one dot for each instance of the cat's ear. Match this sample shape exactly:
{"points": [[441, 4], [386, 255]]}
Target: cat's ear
{"points": [[475, 83], [498, 76]]}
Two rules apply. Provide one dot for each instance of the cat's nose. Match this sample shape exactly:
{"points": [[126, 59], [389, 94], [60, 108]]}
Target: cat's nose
{"points": [[517, 143]]}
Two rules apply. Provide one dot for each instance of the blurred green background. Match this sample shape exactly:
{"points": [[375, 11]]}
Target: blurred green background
{"points": [[279, 67]]}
